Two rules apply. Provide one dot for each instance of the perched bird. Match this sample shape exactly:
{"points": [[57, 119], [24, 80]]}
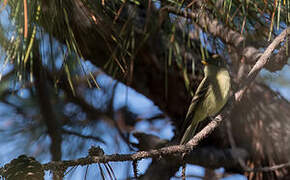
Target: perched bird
{"points": [[210, 96]]}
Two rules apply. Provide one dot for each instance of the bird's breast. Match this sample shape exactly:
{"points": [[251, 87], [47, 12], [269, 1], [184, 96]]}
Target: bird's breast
{"points": [[219, 88], [224, 84]]}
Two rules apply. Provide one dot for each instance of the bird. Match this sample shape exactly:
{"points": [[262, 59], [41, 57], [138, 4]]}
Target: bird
{"points": [[210, 97]]}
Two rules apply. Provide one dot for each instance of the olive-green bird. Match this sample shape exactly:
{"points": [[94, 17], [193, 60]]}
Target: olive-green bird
{"points": [[210, 96]]}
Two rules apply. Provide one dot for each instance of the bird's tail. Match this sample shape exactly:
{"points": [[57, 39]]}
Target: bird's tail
{"points": [[189, 133]]}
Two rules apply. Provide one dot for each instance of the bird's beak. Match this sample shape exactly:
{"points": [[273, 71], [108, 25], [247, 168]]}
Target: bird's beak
{"points": [[204, 62]]}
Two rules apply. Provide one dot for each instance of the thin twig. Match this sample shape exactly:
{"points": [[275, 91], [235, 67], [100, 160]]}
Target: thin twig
{"points": [[269, 168], [95, 138]]}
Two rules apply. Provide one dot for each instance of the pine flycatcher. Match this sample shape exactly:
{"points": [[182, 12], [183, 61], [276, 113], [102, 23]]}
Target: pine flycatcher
{"points": [[210, 96]]}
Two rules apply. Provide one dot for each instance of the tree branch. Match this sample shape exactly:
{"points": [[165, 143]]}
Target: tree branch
{"points": [[95, 138], [229, 36], [261, 63], [52, 123], [158, 153], [224, 159]]}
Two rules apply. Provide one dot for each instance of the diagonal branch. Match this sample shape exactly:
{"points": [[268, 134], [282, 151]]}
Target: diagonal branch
{"points": [[263, 60]]}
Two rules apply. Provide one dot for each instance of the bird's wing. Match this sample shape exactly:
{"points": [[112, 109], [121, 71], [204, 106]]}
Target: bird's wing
{"points": [[197, 98]]}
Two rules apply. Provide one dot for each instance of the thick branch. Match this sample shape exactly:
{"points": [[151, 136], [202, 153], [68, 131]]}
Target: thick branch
{"points": [[52, 123], [228, 36], [211, 25]]}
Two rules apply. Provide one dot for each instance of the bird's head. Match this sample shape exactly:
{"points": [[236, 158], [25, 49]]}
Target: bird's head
{"points": [[215, 60], [213, 65]]}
